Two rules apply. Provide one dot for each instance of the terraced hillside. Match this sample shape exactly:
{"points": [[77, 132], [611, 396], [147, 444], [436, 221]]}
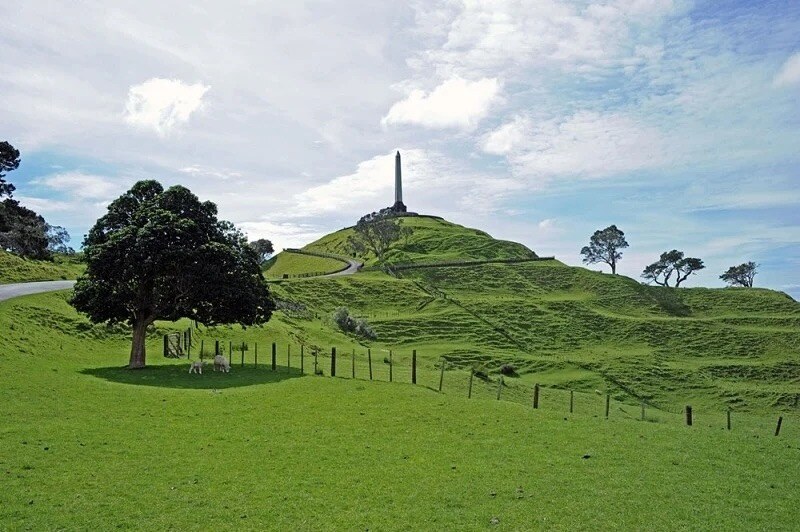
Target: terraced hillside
{"points": [[566, 327], [431, 239], [298, 264], [14, 269]]}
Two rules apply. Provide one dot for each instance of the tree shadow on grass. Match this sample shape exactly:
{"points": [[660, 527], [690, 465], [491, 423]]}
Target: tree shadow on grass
{"points": [[178, 376]]}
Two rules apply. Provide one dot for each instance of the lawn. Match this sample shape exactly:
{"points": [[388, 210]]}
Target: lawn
{"points": [[89, 445], [14, 269], [295, 264]]}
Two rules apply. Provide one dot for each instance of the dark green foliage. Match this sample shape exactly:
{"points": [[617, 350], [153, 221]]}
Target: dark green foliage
{"points": [[741, 275], [604, 246], [164, 255], [672, 262], [24, 232], [9, 161], [57, 238], [263, 249]]}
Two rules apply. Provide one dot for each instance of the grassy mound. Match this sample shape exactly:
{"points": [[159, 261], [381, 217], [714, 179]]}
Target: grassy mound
{"points": [[294, 264], [89, 445], [431, 240], [14, 269]]}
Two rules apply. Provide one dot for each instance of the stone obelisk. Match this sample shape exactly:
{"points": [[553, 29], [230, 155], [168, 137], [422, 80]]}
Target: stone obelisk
{"points": [[398, 206]]}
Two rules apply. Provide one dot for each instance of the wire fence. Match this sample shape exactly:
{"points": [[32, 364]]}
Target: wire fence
{"points": [[440, 375]]}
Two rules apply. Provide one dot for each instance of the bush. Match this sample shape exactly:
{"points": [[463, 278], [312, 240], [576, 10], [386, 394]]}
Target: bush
{"points": [[364, 330], [508, 370], [349, 324]]}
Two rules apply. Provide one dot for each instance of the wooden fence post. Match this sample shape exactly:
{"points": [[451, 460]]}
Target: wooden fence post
{"points": [[642, 410], [274, 357], [499, 387], [688, 415], [471, 376], [778, 428], [202, 349], [256, 353], [353, 360], [316, 370], [166, 346], [369, 359], [390, 365], [302, 359], [333, 361], [729, 419], [535, 396], [571, 400], [243, 348], [216, 347], [608, 404], [414, 368], [230, 351], [443, 362]]}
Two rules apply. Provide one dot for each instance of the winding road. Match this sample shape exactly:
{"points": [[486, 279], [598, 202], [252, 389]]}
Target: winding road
{"points": [[353, 267], [7, 291]]}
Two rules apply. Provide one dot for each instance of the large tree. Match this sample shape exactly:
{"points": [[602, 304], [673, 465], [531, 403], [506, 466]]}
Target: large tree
{"points": [[604, 246], [376, 236], [672, 262], [9, 160], [163, 255], [22, 231], [263, 249], [741, 275]]}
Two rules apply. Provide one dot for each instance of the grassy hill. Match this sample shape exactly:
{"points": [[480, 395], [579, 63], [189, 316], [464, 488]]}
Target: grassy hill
{"points": [[432, 239], [565, 327], [90, 445], [299, 264], [14, 269]]}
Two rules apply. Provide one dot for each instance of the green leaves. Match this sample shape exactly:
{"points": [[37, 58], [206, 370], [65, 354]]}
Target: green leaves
{"points": [[669, 263], [604, 246]]}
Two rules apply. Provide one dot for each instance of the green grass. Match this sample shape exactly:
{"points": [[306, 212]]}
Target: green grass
{"points": [[14, 269], [431, 240], [299, 264], [89, 445]]}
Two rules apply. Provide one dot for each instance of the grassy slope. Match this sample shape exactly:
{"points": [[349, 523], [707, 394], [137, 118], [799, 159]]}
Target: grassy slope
{"points": [[296, 264], [571, 327], [432, 239], [87, 445], [14, 269]]}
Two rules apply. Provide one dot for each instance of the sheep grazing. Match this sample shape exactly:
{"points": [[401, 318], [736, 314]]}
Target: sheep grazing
{"points": [[196, 367], [222, 363]]}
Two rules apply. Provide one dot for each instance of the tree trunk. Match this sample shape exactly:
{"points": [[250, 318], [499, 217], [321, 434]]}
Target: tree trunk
{"points": [[138, 344]]}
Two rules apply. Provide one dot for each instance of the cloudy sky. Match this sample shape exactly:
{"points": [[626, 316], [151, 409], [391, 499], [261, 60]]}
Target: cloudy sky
{"points": [[539, 121]]}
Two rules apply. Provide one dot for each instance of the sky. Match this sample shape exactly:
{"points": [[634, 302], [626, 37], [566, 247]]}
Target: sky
{"points": [[536, 121]]}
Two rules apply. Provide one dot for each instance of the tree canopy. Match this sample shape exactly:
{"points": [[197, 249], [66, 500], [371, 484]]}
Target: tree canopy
{"points": [[672, 262], [162, 254], [376, 236], [604, 246], [9, 160], [263, 249], [741, 275]]}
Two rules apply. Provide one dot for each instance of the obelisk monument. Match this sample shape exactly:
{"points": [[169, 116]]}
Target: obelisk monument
{"points": [[398, 206]]}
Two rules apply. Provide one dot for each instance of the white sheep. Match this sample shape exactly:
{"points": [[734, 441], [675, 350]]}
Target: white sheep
{"points": [[222, 363], [196, 367]]}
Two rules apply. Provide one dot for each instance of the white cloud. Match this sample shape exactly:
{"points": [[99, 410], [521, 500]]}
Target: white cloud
{"points": [[587, 144], [789, 73], [161, 104], [199, 170], [547, 223], [80, 185], [455, 103], [283, 234], [507, 137]]}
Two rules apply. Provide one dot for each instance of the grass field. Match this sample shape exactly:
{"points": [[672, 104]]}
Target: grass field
{"points": [[14, 269], [89, 445], [299, 264]]}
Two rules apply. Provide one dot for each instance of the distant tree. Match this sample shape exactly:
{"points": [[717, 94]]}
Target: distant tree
{"points": [[9, 161], [163, 255], [57, 238], [741, 275], [604, 246], [22, 231], [263, 249], [405, 234], [672, 262], [376, 236]]}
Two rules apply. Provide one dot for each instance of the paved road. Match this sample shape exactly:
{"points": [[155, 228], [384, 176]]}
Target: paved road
{"points": [[353, 268], [7, 291]]}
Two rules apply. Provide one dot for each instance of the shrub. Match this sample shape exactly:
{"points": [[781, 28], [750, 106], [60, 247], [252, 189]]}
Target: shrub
{"points": [[349, 324], [364, 330], [508, 370]]}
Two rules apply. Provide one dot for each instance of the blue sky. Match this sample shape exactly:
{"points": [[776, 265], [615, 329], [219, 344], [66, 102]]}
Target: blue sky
{"points": [[537, 121]]}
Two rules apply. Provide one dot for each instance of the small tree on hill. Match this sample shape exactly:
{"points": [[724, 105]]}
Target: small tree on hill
{"points": [[741, 275], [376, 236], [263, 249], [604, 246], [163, 255], [672, 262]]}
